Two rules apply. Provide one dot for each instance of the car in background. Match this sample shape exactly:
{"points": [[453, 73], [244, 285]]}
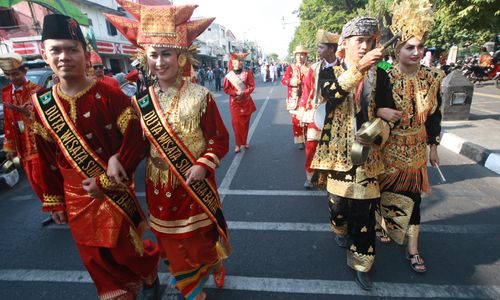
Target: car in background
{"points": [[42, 77]]}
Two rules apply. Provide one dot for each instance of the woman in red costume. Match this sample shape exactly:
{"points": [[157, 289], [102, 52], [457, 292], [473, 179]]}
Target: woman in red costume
{"points": [[239, 84], [187, 141]]}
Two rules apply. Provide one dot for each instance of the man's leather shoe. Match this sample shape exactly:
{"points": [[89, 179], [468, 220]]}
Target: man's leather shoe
{"points": [[363, 280], [342, 241], [151, 292]]}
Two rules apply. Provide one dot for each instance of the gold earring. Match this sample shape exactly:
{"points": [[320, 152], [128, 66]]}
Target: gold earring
{"points": [[182, 60]]}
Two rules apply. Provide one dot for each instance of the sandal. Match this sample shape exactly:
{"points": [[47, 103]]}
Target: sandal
{"points": [[237, 149], [416, 262], [219, 277], [382, 235]]}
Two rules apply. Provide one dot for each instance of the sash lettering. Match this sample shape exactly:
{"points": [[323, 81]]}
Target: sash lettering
{"points": [[178, 157], [80, 155]]}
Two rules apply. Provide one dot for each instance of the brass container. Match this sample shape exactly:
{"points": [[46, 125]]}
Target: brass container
{"points": [[369, 132], [10, 165]]}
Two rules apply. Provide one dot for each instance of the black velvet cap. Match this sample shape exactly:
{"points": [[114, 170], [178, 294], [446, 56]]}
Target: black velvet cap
{"points": [[60, 27]]}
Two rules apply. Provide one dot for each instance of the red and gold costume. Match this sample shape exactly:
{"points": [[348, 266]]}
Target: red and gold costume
{"points": [[101, 119], [186, 231], [19, 131], [241, 108], [294, 80], [107, 122], [311, 98]]}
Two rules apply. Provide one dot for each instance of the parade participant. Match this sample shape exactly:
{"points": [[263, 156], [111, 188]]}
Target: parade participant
{"points": [[353, 91], [81, 123], [98, 71], [239, 84], [416, 93], [327, 43], [188, 139], [18, 118], [293, 79]]}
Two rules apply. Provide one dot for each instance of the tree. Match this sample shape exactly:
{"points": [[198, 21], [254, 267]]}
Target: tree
{"points": [[465, 21], [272, 57], [329, 15]]}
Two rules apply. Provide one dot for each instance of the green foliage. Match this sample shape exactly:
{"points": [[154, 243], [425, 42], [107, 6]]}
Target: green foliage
{"points": [[465, 22], [471, 22], [272, 56], [329, 15]]}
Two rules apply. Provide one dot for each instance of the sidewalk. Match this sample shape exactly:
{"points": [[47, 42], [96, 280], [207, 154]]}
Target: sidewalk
{"points": [[479, 137]]}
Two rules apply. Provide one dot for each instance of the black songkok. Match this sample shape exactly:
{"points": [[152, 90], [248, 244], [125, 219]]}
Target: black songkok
{"points": [[60, 27]]}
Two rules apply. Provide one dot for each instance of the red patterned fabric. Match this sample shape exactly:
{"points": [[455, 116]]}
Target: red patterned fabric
{"points": [[23, 143]]}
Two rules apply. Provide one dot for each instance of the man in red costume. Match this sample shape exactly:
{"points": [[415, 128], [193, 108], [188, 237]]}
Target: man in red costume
{"points": [[239, 84], [294, 80], [327, 43], [98, 69], [82, 123], [18, 118]]}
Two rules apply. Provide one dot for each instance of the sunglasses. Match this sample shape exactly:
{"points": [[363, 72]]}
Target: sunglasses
{"points": [[98, 67]]}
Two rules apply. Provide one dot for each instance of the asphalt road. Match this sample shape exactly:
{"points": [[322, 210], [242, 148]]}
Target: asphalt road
{"points": [[282, 247]]}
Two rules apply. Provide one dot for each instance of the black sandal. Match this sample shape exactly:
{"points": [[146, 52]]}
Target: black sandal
{"points": [[416, 262], [382, 235]]}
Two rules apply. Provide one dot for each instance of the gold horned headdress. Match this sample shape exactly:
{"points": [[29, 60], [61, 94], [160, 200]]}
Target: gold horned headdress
{"points": [[160, 26], [412, 18]]}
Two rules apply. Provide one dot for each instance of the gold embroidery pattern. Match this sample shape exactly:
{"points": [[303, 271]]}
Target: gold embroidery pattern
{"points": [[360, 262], [334, 148], [124, 119], [180, 226], [52, 200], [72, 100], [405, 153], [42, 132], [396, 211], [109, 185], [184, 117], [413, 230]]}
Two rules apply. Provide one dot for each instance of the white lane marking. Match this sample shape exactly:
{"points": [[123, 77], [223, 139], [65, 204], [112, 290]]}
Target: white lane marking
{"points": [[325, 227], [273, 193], [287, 285], [233, 168]]}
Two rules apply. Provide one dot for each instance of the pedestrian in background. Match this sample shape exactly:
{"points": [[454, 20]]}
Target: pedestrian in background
{"points": [[218, 74], [239, 85]]}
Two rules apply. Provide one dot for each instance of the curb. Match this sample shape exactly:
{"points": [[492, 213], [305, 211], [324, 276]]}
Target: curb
{"points": [[479, 154]]}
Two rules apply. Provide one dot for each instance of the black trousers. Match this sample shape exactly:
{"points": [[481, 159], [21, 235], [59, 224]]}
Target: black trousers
{"points": [[217, 84], [355, 218]]}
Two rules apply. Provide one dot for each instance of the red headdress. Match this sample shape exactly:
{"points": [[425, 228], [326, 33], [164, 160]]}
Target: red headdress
{"points": [[159, 25], [95, 59], [236, 56]]}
